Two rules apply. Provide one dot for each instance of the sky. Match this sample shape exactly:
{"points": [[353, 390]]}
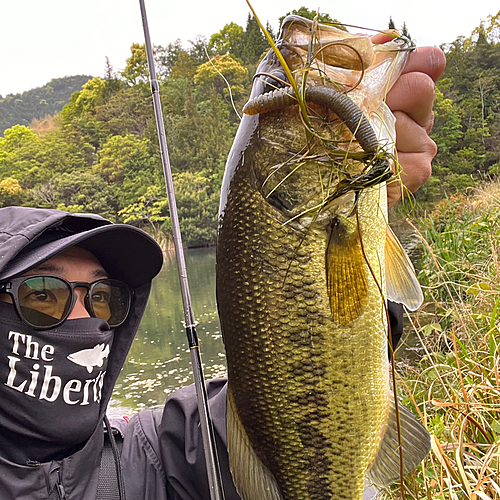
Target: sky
{"points": [[55, 38]]}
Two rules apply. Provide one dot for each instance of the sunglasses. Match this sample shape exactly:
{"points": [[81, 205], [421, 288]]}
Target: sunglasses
{"points": [[44, 302]]}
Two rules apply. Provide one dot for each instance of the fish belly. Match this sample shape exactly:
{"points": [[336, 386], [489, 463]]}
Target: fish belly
{"points": [[311, 395]]}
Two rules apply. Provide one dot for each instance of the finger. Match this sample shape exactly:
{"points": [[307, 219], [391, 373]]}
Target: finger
{"points": [[416, 170], [428, 60], [411, 137], [384, 36], [413, 93], [416, 151]]}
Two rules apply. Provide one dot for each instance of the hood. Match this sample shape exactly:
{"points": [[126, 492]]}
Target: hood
{"points": [[29, 236]]}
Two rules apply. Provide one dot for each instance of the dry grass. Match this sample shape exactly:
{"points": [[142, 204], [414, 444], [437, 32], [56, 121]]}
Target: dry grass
{"points": [[455, 384], [43, 125]]}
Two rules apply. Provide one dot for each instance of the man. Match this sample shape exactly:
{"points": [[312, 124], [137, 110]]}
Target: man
{"points": [[73, 290]]}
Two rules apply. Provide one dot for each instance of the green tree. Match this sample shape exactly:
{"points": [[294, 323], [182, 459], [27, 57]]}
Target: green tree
{"points": [[448, 132], [136, 70], [18, 148], [168, 57], [311, 14], [198, 205], [126, 163], [10, 192], [229, 40], [489, 29], [77, 192], [254, 41], [185, 66], [151, 212], [86, 100], [201, 139], [198, 49], [79, 113], [467, 112], [208, 74], [127, 111]]}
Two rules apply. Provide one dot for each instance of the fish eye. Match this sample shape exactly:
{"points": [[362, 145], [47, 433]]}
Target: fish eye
{"points": [[276, 80], [281, 200]]}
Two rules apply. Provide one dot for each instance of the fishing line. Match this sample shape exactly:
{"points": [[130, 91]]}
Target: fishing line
{"points": [[224, 78]]}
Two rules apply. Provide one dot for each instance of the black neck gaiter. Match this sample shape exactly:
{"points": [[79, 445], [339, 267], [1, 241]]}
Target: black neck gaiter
{"points": [[50, 386]]}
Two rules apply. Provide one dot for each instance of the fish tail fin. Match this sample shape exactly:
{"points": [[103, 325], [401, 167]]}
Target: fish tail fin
{"points": [[402, 284], [252, 478], [415, 442]]}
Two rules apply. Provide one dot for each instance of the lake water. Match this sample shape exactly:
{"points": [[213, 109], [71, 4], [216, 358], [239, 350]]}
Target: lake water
{"points": [[159, 360]]}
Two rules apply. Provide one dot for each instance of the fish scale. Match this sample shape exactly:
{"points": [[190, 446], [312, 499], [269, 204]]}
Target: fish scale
{"points": [[303, 385], [302, 253]]}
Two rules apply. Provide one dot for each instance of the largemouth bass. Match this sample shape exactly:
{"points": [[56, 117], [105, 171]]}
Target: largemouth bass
{"points": [[305, 265]]}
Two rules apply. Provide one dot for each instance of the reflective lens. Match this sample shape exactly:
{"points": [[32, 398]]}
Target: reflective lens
{"points": [[46, 301], [110, 300]]}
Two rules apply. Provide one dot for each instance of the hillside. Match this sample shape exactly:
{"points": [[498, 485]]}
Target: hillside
{"points": [[101, 152], [21, 109]]}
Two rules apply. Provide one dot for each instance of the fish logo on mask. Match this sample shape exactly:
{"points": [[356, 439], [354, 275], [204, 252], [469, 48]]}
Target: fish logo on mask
{"points": [[90, 358]]}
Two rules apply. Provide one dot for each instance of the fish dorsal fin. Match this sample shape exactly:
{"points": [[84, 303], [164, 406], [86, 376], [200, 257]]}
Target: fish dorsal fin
{"points": [[401, 280], [345, 274], [416, 443], [252, 478]]}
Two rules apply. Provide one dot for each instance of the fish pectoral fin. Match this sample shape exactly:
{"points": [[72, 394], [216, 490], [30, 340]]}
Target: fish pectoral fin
{"points": [[402, 284], [415, 441], [345, 274], [252, 478]]}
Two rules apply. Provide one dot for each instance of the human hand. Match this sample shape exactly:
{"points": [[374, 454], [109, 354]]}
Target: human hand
{"points": [[411, 100]]}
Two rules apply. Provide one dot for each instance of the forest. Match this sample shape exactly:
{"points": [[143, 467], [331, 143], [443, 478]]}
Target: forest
{"points": [[100, 152], [34, 104]]}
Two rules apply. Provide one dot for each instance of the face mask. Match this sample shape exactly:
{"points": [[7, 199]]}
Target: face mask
{"points": [[50, 385]]}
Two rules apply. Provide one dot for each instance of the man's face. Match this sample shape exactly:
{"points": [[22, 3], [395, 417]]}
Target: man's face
{"points": [[74, 264]]}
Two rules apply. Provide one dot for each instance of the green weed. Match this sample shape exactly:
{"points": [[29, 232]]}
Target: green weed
{"points": [[455, 385]]}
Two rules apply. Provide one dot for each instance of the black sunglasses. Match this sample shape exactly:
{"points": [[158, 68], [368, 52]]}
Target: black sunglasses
{"points": [[43, 301]]}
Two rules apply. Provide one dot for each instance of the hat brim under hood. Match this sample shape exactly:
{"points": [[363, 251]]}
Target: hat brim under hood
{"points": [[29, 237]]}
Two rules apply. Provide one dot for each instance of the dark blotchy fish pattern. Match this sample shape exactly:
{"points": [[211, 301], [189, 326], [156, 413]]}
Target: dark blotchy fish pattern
{"points": [[302, 262]]}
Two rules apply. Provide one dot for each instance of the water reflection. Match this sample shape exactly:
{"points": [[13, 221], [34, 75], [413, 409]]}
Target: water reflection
{"points": [[159, 360]]}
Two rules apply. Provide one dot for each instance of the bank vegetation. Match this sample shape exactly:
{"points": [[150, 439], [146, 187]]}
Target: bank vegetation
{"points": [[453, 381]]}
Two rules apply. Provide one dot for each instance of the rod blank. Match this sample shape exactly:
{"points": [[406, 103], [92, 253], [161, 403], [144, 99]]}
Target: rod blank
{"points": [[211, 457]]}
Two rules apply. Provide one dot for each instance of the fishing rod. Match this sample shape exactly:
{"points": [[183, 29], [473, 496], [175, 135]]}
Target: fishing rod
{"points": [[207, 432]]}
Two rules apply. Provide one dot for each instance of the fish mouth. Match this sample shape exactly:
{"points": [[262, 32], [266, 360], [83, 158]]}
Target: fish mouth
{"points": [[323, 64], [310, 154], [333, 57], [329, 56]]}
